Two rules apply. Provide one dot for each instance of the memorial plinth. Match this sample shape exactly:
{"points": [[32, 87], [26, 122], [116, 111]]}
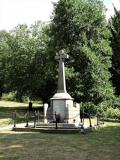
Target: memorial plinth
{"points": [[62, 102]]}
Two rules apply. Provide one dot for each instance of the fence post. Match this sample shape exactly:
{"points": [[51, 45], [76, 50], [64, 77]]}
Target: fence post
{"points": [[27, 117], [90, 120], [83, 117], [35, 119], [56, 126], [97, 119], [38, 116], [103, 119], [14, 119]]}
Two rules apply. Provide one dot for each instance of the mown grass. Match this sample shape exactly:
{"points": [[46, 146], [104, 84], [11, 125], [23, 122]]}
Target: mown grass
{"points": [[103, 144], [12, 104]]}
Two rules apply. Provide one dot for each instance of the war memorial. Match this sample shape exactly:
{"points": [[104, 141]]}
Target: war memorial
{"points": [[62, 113]]}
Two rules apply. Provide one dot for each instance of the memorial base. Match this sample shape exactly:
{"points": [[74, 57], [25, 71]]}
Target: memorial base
{"points": [[63, 108]]}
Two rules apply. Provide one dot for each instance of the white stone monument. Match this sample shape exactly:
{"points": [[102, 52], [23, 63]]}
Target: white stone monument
{"points": [[62, 102], [45, 112]]}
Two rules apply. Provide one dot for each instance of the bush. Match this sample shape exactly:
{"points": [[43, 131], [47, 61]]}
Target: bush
{"points": [[112, 113], [9, 96]]}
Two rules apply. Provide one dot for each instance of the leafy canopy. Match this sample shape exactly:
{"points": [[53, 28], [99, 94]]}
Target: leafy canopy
{"points": [[79, 27]]}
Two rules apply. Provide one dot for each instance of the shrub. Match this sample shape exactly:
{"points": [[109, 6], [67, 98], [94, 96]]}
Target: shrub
{"points": [[11, 96], [112, 113]]}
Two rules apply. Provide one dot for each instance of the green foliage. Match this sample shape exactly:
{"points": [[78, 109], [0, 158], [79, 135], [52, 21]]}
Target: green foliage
{"points": [[116, 103], [114, 24], [112, 113], [4, 49], [9, 96], [80, 28], [28, 71], [88, 108]]}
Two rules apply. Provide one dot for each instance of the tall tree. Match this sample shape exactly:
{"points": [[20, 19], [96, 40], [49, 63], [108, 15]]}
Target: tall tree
{"points": [[28, 70], [4, 51], [115, 43], [79, 27]]}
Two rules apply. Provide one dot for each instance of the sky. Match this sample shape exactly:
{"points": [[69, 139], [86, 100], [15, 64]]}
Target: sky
{"points": [[14, 12], [109, 6]]}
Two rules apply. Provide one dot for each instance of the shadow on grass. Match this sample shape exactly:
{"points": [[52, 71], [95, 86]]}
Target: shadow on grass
{"points": [[101, 144]]}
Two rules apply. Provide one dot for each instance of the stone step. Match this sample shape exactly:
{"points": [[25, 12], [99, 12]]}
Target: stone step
{"points": [[52, 125], [47, 130]]}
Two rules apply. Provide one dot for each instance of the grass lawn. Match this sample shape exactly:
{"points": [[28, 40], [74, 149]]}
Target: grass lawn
{"points": [[103, 144]]}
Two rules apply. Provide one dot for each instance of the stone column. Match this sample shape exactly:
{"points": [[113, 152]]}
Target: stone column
{"points": [[45, 112], [61, 72]]}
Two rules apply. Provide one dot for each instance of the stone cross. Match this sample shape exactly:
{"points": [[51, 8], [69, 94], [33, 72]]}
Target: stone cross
{"points": [[61, 72]]}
